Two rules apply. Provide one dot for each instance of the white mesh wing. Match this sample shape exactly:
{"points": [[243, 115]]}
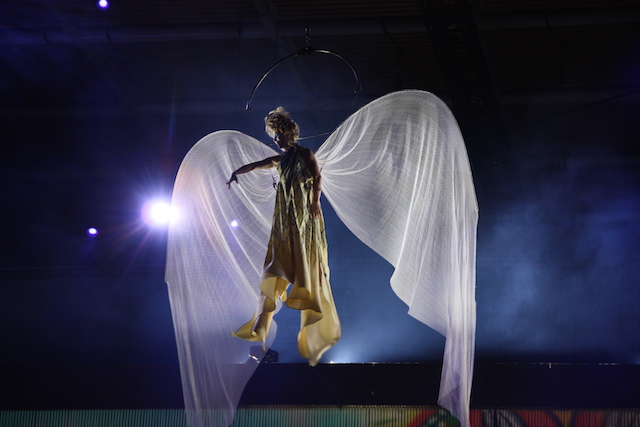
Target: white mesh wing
{"points": [[397, 174], [214, 270]]}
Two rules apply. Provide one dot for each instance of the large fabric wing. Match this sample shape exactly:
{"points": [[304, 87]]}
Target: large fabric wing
{"points": [[215, 256], [398, 175]]}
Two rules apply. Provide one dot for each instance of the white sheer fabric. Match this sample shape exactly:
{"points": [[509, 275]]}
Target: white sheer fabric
{"points": [[397, 174]]}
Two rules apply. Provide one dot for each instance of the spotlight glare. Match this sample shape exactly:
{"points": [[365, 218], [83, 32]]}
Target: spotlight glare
{"points": [[234, 223], [157, 213], [92, 231], [103, 4]]}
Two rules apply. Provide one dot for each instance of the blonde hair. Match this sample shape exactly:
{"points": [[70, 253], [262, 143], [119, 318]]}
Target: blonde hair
{"points": [[279, 121]]}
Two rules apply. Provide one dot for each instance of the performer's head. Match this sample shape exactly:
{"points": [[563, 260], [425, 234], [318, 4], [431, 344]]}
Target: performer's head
{"points": [[281, 127]]}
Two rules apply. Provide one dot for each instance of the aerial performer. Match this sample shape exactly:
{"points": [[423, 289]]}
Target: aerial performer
{"points": [[297, 251], [396, 173]]}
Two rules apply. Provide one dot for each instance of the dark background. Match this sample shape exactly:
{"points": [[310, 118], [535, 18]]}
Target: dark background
{"points": [[98, 107]]}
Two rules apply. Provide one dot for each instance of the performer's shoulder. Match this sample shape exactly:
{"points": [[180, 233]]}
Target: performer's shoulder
{"points": [[305, 151]]}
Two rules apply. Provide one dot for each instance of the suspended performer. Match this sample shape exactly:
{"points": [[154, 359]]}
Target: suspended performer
{"points": [[297, 249]]}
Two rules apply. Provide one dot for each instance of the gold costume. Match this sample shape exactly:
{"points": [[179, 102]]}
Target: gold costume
{"points": [[297, 255]]}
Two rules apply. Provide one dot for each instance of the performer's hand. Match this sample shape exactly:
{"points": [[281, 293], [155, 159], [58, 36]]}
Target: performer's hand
{"points": [[233, 178], [315, 210]]}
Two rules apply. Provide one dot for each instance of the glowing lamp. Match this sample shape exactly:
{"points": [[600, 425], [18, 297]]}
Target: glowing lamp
{"points": [[157, 213]]}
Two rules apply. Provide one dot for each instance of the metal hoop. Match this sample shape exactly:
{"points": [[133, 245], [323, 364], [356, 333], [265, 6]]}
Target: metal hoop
{"points": [[307, 50]]}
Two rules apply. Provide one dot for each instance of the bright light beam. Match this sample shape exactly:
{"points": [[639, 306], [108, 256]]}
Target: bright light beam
{"points": [[157, 213]]}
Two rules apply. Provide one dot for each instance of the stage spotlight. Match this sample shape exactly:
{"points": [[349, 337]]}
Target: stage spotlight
{"points": [[103, 4], [234, 224], [92, 231], [157, 213]]}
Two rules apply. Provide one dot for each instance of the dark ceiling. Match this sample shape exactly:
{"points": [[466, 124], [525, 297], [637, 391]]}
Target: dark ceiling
{"points": [[98, 107], [71, 58]]}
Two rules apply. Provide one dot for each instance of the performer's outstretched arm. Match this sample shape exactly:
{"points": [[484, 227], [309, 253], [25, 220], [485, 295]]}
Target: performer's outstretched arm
{"points": [[267, 163]]}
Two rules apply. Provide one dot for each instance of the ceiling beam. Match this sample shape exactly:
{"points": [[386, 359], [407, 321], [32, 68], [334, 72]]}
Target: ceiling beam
{"points": [[555, 19], [218, 31], [320, 28]]}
